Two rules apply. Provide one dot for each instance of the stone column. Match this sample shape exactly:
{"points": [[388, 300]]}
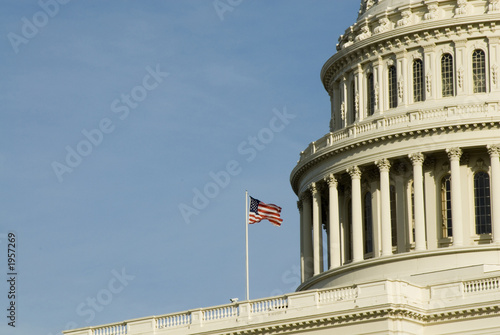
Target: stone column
{"points": [[343, 117], [360, 94], [333, 223], [379, 85], [432, 215], [454, 155], [357, 223], [307, 235], [384, 166], [417, 160], [317, 231], [302, 237], [494, 151]]}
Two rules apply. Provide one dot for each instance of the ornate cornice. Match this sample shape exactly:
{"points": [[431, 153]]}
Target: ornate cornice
{"points": [[369, 46], [353, 144], [389, 312]]}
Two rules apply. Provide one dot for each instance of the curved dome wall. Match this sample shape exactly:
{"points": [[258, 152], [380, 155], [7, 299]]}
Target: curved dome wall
{"points": [[405, 181]]}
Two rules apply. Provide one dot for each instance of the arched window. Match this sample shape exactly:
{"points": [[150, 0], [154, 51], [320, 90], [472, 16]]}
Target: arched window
{"points": [[418, 80], [368, 223], [371, 94], [447, 78], [446, 206], [482, 206], [393, 87], [394, 222], [479, 71]]}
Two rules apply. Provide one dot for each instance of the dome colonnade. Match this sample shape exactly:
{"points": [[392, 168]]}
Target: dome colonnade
{"points": [[411, 163]]}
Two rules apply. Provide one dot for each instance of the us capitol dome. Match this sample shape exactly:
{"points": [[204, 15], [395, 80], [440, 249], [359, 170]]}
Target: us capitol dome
{"points": [[400, 201]]}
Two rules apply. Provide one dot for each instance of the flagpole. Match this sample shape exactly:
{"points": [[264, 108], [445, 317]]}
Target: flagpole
{"points": [[246, 238]]}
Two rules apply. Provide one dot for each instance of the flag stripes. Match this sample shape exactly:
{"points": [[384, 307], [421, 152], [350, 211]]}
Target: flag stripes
{"points": [[260, 211]]}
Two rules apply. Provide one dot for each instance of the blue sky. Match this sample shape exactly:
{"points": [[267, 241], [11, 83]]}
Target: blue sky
{"points": [[116, 113]]}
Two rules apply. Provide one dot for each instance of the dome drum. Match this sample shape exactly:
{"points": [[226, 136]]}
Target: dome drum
{"points": [[409, 172]]}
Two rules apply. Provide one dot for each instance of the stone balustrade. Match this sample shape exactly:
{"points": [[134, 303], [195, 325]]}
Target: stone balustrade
{"points": [[439, 117], [340, 303]]}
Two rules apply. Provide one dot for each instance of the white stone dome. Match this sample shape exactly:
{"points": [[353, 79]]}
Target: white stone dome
{"points": [[415, 129]]}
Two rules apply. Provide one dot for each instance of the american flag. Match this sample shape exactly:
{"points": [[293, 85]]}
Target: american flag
{"points": [[261, 211]]}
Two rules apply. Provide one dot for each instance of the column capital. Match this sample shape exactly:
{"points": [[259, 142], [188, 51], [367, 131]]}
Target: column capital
{"points": [[493, 149], [454, 153], [383, 164], [417, 158], [300, 205], [354, 172], [331, 180], [304, 196], [313, 188]]}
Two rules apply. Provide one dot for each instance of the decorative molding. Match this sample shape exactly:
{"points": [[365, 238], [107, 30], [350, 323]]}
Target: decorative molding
{"points": [[479, 164], [460, 73], [304, 196], [365, 5], [405, 18], [364, 34], [417, 158], [461, 8], [494, 74], [313, 188], [493, 6], [401, 88], [354, 172], [383, 165], [454, 153], [356, 105], [383, 25], [493, 150], [432, 12], [331, 181]]}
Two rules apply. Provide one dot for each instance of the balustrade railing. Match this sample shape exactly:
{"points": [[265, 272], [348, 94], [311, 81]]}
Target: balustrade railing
{"points": [[269, 305], [482, 285], [340, 294], [394, 122], [220, 313], [324, 298], [119, 329], [173, 320]]}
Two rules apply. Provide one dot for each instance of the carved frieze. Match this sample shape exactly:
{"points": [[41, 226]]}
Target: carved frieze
{"points": [[461, 7], [432, 12], [405, 18], [493, 6], [383, 25]]}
